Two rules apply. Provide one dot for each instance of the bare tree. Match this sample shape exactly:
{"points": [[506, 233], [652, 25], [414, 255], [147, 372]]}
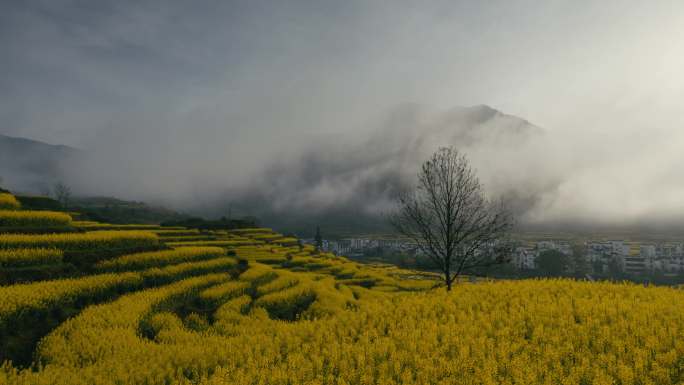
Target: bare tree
{"points": [[62, 193], [450, 220]]}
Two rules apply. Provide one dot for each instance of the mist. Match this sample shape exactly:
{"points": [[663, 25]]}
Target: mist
{"points": [[570, 109]]}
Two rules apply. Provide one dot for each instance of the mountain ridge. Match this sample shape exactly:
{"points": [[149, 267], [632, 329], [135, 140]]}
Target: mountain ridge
{"points": [[347, 183], [355, 183], [33, 166]]}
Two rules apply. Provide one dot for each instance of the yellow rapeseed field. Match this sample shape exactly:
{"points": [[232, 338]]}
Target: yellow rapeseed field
{"points": [[160, 258], [525, 332], [80, 241], [29, 257], [278, 314], [40, 297], [9, 218], [94, 226], [9, 202], [218, 243]]}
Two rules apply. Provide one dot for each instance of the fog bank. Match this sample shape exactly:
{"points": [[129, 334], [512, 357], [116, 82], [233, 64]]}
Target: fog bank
{"points": [[314, 107]]}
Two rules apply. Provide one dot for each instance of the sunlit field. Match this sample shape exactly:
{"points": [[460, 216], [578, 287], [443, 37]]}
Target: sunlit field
{"points": [[341, 192], [150, 305]]}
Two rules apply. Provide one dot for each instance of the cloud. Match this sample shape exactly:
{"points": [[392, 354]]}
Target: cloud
{"points": [[336, 177], [191, 104]]}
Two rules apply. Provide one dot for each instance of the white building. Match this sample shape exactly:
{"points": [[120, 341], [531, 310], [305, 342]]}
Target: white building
{"points": [[524, 258], [562, 246], [647, 251]]}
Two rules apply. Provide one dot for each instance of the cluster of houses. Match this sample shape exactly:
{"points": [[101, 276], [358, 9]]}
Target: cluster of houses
{"points": [[600, 256], [635, 258], [525, 257]]}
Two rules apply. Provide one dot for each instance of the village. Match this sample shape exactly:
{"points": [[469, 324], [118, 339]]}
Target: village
{"points": [[591, 257]]}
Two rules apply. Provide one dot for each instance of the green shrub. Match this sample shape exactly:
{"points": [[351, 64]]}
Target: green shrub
{"points": [[38, 203]]}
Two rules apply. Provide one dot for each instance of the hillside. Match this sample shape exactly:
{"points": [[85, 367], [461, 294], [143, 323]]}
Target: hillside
{"points": [[346, 184], [343, 184], [124, 304], [113, 210], [33, 166]]}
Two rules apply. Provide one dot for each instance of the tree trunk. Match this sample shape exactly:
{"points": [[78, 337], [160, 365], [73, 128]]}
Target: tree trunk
{"points": [[447, 275]]}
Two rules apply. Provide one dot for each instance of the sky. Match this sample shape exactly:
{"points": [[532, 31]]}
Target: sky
{"points": [[179, 97]]}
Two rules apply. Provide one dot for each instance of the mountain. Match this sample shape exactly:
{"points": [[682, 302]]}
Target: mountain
{"points": [[347, 184], [344, 183], [32, 166]]}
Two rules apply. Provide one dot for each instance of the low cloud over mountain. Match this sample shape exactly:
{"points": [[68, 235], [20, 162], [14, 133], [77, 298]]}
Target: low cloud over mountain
{"points": [[352, 181], [29, 165], [347, 182]]}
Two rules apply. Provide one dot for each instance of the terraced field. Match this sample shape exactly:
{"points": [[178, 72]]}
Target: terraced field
{"points": [[62, 272], [92, 303]]}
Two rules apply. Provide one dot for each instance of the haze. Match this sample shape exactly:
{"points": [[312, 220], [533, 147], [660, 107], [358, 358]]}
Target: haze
{"points": [[187, 102]]}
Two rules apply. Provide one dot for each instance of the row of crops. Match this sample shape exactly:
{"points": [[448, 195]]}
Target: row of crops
{"points": [[54, 269], [268, 325], [95, 303]]}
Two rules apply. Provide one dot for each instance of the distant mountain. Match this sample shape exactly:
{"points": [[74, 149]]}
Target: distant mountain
{"points": [[32, 166], [346, 184]]}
